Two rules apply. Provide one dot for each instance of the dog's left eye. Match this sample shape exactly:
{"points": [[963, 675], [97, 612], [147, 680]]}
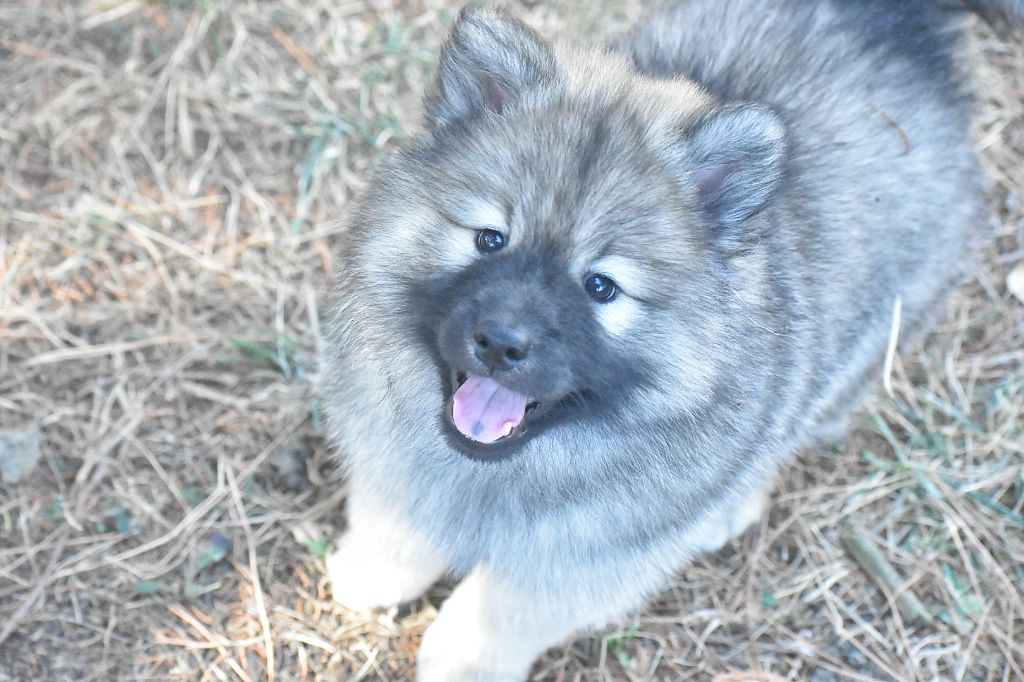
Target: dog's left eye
{"points": [[600, 288], [489, 241]]}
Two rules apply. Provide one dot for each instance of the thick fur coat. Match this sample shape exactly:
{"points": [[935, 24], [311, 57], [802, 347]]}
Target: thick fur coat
{"points": [[762, 181]]}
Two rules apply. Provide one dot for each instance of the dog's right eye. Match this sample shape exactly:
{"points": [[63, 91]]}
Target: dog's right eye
{"points": [[489, 241]]}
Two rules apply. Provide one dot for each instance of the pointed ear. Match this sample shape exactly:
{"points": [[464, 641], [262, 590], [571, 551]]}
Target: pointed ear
{"points": [[489, 60], [737, 157]]}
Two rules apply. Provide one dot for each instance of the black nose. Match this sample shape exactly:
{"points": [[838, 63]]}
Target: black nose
{"points": [[500, 346]]}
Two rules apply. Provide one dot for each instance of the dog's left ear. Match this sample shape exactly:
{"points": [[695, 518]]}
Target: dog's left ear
{"points": [[736, 158], [489, 60]]}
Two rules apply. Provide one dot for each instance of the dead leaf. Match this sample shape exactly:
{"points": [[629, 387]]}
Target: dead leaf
{"points": [[19, 453]]}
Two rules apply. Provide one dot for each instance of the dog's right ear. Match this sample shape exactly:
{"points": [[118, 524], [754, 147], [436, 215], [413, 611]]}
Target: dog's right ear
{"points": [[488, 62]]}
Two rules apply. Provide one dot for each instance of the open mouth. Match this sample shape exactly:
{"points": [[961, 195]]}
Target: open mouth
{"points": [[484, 411]]}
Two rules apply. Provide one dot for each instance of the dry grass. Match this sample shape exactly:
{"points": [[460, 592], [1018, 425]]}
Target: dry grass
{"points": [[170, 177]]}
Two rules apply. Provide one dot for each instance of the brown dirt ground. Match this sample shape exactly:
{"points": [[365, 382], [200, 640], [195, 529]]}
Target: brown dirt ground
{"points": [[170, 178]]}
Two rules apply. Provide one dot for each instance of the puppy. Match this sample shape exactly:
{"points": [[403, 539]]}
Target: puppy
{"points": [[585, 318]]}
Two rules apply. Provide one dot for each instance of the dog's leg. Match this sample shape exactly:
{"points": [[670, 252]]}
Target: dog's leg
{"points": [[379, 561], [491, 630], [729, 521]]}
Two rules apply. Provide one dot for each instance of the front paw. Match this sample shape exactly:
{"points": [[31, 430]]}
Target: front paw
{"points": [[361, 581], [450, 653]]}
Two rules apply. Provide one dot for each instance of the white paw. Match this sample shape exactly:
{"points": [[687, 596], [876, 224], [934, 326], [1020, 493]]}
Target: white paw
{"points": [[450, 653], [362, 579], [729, 522]]}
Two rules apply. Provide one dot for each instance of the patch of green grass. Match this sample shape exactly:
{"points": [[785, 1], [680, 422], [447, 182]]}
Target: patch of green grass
{"points": [[216, 44], [968, 604], [952, 411], [329, 129], [396, 38], [1010, 390], [216, 550], [283, 355], [616, 645], [55, 510], [316, 414], [203, 6], [191, 495], [321, 548], [123, 521], [990, 503], [906, 464], [882, 464], [327, 133], [145, 587]]}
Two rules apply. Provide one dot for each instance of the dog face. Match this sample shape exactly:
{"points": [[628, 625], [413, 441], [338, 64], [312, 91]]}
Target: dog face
{"points": [[557, 233]]}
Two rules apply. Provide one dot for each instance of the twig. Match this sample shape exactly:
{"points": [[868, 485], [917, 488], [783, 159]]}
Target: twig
{"points": [[890, 351], [261, 607], [67, 354], [868, 557], [907, 146], [40, 587]]}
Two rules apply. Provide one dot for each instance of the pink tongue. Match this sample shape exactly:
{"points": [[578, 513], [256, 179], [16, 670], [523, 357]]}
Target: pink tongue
{"points": [[485, 411]]}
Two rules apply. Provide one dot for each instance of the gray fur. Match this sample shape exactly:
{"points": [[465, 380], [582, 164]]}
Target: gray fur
{"points": [[738, 154], [486, 66], [766, 221]]}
